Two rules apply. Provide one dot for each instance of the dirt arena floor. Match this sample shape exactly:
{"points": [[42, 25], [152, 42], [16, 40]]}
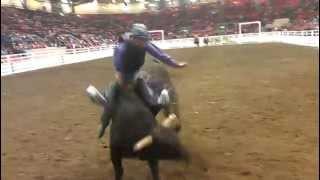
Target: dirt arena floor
{"points": [[249, 112]]}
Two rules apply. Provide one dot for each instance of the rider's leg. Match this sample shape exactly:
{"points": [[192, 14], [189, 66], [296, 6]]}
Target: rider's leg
{"points": [[155, 103], [108, 109]]}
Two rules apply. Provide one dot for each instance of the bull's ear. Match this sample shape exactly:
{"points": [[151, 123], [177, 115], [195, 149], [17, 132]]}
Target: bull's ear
{"points": [[143, 143]]}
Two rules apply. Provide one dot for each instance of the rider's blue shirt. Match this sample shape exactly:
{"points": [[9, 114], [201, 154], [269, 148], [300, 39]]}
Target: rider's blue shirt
{"points": [[129, 58]]}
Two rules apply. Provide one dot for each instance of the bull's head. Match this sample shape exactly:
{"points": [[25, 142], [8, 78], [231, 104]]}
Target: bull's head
{"points": [[171, 122]]}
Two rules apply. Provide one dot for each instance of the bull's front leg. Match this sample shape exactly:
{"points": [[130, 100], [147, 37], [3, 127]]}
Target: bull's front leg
{"points": [[109, 107], [154, 167], [116, 159]]}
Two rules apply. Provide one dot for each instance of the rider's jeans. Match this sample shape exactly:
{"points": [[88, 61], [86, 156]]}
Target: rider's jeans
{"points": [[146, 93]]}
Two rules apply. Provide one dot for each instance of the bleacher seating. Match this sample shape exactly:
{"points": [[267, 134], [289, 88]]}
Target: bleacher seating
{"points": [[23, 29]]}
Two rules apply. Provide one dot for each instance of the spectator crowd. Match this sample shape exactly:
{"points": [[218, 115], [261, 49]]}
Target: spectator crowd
{"points": [[23, 29]]}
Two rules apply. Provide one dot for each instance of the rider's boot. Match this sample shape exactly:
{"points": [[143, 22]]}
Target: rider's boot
{"points": [[109, 108], [147, 95]]}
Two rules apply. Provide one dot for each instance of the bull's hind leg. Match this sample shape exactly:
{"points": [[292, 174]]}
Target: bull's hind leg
{"points": [[116, 159], [154, 167]]}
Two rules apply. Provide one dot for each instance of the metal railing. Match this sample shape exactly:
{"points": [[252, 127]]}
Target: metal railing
{"points": [[50, 57]]}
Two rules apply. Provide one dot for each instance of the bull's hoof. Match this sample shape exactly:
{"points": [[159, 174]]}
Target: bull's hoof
{"points": [[103, 144]]}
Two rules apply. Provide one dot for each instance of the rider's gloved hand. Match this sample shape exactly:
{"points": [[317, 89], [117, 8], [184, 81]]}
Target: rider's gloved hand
{"points": [[182, 64]]}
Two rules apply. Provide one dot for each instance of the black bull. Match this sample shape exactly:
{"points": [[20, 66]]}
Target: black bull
{"points": [[132, 121]]}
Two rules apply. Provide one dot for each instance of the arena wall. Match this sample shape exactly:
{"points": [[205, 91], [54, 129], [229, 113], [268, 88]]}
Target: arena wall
{"points": [[51, 57]]}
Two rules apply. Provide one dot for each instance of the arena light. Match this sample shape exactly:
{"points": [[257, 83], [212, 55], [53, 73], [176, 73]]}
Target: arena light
{"points": [[152, 5], [193, 1], [235, 2], [213, 12]]}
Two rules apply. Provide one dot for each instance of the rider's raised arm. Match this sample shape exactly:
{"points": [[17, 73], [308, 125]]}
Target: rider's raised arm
{"points": [[159, 54]]}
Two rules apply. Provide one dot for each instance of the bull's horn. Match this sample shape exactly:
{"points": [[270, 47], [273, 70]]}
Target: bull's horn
{"points": [[142, 143], [170, 122]]}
